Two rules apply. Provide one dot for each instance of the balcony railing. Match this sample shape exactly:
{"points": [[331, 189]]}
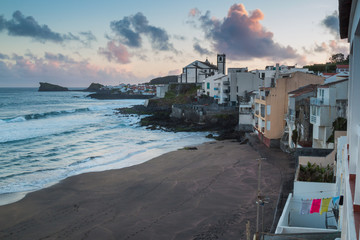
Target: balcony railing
{"points": [[312, 119], [316, 101]]}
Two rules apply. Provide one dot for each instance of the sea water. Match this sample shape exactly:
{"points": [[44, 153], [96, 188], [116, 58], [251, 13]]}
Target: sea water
{"points": [[48, 136]]}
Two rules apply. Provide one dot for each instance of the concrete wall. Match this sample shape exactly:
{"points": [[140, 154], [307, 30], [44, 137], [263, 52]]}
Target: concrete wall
{"points": [[322, 161]]}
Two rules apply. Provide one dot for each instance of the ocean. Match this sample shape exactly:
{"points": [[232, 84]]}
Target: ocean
{"points": [[46, 137]]}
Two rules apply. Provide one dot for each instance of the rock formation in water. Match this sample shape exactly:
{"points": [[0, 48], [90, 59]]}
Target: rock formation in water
{"points": [[48, 87]]}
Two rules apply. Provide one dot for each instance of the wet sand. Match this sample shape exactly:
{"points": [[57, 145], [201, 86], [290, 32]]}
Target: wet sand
{"points": [[208, 193]]}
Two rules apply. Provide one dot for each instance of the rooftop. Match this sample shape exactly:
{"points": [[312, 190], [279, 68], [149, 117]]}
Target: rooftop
{"points": [[302, 90]]}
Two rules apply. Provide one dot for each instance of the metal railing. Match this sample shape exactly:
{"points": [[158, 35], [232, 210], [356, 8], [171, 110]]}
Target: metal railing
{"points": [[316, 101]]}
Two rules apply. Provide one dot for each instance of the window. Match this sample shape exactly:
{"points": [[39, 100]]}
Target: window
{"points": [[268, 109], [208, 85], [237, 89], [268, 125], [262, 76]]}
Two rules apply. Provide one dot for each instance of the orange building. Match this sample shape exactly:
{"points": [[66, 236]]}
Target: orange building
{"points": [[271, 105]]}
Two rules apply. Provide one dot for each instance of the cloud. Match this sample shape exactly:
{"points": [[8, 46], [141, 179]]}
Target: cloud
{"points": [[4, 56], [23, 26], [331, 22], [117, 53], [58, 58], [321, 48], [201, 50], [132, 28], [174, 72], [241, 36], [57, 68]]}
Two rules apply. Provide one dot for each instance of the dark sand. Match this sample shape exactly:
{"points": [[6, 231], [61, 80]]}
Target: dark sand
{"points": [[208, 193]]}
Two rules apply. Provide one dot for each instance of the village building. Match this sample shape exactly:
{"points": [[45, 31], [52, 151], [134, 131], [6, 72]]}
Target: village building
{"points": [[197, 71], [271, 105], [217, 86], [298, 130], [271, 73], [331, 100], [241, 83]]}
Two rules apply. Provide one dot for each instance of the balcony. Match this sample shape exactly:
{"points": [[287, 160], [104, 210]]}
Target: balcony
{"points": [[316, 101], [312, 119]]}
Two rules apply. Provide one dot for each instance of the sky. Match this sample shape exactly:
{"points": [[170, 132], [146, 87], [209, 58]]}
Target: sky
{"points": [[75, 43]]}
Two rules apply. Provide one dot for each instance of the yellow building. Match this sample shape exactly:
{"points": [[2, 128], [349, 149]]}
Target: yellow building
{"points": [[271, 105]]}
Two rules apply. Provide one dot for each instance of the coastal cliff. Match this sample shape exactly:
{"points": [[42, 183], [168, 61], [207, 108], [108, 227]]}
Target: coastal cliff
{"points": [[48, 87]]}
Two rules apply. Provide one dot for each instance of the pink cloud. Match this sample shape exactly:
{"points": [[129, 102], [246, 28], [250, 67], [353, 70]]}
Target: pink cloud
{"points": [[116, 52], [241, 35]]}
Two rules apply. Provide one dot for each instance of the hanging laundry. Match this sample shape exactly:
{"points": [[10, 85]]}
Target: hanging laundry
{"points": [[325, 205], [305, 206], [315, 206], [335, 199]]}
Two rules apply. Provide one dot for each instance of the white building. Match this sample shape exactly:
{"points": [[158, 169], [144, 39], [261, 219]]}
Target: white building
{"points": [[197, 71], [217, 86], [323, 111], [348, 147], [241, 83], [271, 73]]}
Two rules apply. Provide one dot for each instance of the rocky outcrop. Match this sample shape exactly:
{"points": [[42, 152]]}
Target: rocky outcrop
{"points": [[94, 87], [110, 95], [48, 87]]}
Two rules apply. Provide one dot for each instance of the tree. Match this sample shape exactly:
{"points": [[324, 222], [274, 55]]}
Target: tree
{"points": [[337, 58]]}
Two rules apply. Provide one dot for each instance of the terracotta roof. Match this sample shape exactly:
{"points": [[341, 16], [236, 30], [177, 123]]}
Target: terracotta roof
{"points": [[329, 74], [342, 66], [332, 83], [302, 90], [344, 16]]}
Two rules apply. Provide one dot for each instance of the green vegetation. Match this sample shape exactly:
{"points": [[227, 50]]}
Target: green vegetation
{"points": [[340, 124], [330, 67], [164, 80], [316, 173]]}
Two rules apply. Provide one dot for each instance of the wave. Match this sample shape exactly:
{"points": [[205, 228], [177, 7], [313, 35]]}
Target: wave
{"points": [[35, 116]]}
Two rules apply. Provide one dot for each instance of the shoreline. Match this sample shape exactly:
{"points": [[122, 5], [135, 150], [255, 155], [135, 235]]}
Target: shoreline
{"points": [[13, 197], [184, 194]]}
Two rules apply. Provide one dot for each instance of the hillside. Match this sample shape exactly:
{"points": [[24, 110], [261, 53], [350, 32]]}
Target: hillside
{"points": [[164, 80]]}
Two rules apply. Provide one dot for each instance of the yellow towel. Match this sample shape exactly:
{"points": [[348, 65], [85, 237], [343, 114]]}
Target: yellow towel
{"points": [[325, 205]]}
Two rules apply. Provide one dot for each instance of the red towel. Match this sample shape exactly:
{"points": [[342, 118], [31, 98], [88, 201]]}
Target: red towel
{"points": [[315, 206]]}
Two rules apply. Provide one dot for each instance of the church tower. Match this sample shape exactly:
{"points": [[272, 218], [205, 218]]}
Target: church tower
{"points": [[221, 63]]}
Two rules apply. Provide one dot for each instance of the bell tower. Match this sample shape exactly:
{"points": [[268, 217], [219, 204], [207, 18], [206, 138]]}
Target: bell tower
{"points": [[221, 63]]}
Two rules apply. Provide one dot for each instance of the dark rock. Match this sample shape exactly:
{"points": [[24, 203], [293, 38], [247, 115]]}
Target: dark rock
{"points": [[47, 87], [107, 95], [94, 87]]}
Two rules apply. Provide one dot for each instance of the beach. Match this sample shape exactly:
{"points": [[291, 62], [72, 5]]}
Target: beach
{"points": [[203, 193]]}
